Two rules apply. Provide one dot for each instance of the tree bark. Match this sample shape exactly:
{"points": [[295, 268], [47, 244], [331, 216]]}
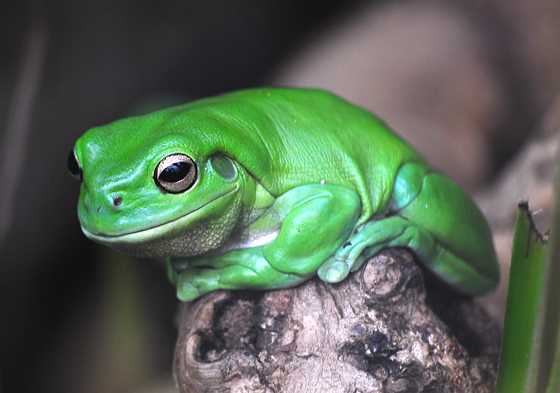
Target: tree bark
{"points": [[377, 331]]}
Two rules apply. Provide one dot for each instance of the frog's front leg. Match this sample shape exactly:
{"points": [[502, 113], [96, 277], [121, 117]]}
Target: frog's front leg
{"points": [[430, 215], [314, 221], [237, 269]]}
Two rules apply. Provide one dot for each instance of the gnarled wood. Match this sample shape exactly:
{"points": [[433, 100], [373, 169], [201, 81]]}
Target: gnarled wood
{"points": [[374, 332]]}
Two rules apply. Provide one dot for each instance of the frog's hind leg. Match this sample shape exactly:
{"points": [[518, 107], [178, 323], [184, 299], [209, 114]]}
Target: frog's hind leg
{"points": [[430, 215], [397, 231]]}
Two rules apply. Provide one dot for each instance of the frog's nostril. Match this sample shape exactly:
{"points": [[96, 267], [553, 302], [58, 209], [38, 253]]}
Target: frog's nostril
{"points": [[117, 201]]}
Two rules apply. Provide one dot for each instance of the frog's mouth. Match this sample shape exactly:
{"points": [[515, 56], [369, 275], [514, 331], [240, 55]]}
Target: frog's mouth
{"points": [[190, 234]]}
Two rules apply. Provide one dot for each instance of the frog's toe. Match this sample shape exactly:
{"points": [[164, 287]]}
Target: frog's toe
{"points": [[333, 271], [358, 264], [193, 283], [186, 291]]}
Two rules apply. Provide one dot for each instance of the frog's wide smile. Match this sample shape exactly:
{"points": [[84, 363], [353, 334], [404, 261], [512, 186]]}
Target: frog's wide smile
{"points": [[154, 231]]}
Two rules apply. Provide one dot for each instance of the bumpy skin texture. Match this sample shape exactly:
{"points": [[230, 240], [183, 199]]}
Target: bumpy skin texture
{"points": [[282, 184]]}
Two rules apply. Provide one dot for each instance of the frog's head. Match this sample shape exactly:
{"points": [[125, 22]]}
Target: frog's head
{"points": [[151, 189]]}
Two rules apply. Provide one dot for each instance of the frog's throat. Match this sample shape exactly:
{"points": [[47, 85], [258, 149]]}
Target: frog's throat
{"points": [[155, 231]]}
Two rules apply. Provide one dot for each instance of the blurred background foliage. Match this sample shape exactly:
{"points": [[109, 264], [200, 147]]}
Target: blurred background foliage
{"points": [[75, 317]]}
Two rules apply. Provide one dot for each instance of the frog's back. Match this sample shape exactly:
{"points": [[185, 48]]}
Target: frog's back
{"points": [[284, 137], [312, 136]]}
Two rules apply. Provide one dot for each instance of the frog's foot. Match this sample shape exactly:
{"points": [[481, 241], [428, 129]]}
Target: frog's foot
{"points": [[335, 270], [240, 269], [347, 258], [362, 245]]}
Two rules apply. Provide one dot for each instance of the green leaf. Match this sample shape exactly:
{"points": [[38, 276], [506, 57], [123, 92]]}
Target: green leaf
{"points": [[525, 284], [544, 368]]}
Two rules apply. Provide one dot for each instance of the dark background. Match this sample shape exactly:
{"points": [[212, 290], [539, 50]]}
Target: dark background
{"points": [[76, 317], [69, 322]]}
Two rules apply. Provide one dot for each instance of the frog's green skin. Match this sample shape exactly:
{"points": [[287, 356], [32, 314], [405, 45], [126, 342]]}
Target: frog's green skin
{"points": [[288, 183]]}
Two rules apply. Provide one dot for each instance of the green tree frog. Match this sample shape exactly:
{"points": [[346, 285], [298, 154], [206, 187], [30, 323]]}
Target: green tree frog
{"points": [[265, 188]]}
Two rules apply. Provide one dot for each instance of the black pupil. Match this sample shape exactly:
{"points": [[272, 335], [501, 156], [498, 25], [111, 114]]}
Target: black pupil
{"points": [[175, 172], [73, 165]]}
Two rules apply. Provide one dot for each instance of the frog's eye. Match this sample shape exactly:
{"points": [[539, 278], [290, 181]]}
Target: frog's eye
{"points": [[176, 173], [74, 166]]}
